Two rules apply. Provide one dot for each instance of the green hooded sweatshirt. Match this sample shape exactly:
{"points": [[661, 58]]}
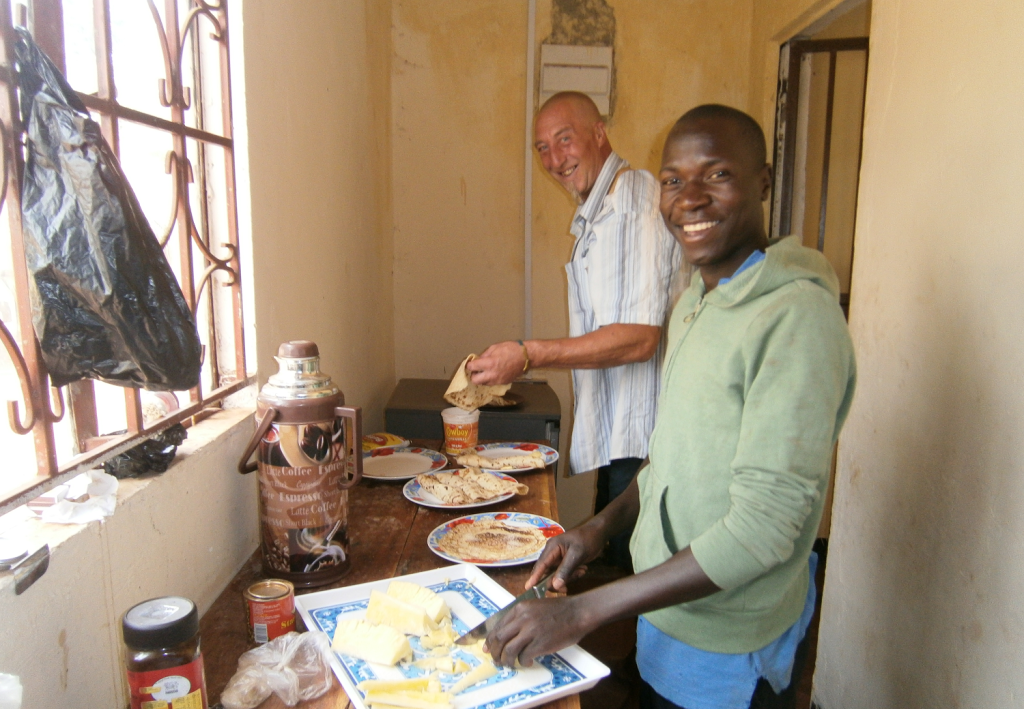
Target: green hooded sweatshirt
{"points": [[757, 382]]}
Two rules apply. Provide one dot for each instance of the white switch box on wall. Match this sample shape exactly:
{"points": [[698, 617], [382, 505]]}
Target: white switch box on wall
{"points": [[566, 67]]}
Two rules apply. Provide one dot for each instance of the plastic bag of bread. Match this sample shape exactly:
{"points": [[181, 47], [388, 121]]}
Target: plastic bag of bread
{"points": [[462, 392], [294, 666]]}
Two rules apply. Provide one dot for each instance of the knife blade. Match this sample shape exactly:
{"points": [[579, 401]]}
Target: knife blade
{"points": [[484, 628]]}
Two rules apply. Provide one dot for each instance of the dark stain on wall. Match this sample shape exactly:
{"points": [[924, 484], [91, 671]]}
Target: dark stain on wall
{"points": [[590, 23], [587, 23]]}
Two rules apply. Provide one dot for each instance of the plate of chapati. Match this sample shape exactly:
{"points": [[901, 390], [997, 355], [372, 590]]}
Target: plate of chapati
{"points": [[493, 538], [509, 457], [462, 489]]}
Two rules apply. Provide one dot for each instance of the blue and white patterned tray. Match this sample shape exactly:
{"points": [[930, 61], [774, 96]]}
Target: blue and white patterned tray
{"points": [[472, 596]]}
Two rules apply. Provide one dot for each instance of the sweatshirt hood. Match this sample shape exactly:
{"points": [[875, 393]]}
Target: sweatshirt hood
{"points": [[786, 260]]}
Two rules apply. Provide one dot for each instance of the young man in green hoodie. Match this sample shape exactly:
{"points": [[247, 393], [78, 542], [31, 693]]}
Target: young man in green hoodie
{"points": [[758, 378]]}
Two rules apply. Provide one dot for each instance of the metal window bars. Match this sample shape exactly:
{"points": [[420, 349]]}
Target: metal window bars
{"points": [[198, 261]]}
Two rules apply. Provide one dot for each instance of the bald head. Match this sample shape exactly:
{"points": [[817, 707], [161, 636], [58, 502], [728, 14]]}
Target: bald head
{"points": [[746, 130], [581, 106], [570, 139]]}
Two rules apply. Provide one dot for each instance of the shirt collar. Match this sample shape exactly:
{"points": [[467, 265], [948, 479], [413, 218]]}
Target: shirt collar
{"points": [[588, 211]]}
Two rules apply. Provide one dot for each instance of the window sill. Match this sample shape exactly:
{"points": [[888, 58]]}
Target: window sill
{"points": [[203, 438]]}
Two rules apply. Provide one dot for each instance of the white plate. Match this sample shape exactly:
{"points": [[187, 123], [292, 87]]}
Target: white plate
{"points": [[550, 528], [472, 597], [415, 493], [500, 450], [400, 463]]}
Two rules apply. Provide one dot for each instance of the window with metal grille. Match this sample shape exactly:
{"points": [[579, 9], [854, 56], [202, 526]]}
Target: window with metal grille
{"points": [[157, 79]]}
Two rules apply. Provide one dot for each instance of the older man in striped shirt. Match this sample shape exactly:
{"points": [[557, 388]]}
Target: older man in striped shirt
{"points": [[619, 278]]}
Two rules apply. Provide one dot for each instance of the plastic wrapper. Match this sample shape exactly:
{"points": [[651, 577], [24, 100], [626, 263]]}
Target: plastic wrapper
{"points": [[105, 303], [295, 667]]}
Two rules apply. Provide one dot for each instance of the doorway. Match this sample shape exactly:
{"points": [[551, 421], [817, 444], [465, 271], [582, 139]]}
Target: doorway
{"points": [[819, 123]]}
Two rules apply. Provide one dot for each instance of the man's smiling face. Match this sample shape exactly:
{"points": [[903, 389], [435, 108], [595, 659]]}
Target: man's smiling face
{"points": [[711, 194], [572, 146]]}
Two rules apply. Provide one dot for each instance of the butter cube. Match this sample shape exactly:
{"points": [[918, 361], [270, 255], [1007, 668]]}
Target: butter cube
{"points": [[373, 643]]}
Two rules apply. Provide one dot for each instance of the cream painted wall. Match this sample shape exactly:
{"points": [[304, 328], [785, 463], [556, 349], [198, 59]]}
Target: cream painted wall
{"points": [[458, 81], [185, 532], [922, 604], [317, 102]]}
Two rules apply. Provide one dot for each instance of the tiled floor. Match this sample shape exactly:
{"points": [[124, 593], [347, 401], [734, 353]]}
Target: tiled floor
{"points": [[614, 645]]}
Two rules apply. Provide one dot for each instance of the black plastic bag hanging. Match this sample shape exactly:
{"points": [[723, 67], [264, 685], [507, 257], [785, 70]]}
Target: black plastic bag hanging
{"points": [[105, 303]]}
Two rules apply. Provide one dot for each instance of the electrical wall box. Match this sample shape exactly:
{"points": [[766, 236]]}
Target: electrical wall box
{"points": [[565, 67]]}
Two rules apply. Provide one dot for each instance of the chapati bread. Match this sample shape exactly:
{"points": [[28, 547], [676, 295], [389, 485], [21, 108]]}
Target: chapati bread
{"points": [[534, 459], [462, 392], [491, 540], [463, 487]]}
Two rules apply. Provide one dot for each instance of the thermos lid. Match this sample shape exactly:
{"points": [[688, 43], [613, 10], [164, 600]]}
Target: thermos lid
{"points": [[298, 348], [299, 375], [160, 622]]}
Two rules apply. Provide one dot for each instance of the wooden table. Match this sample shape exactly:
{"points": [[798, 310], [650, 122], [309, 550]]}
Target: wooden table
{"points": [[387, 536]]}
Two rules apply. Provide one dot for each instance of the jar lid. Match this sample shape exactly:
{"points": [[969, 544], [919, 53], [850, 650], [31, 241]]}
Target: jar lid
{"points": [[160, 622]]}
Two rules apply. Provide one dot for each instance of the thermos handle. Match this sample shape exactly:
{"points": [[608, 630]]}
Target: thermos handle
{"points": [[353, 416], [244, 466]]}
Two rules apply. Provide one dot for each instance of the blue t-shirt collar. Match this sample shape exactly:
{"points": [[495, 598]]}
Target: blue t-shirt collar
{"points": [[755, 258]]}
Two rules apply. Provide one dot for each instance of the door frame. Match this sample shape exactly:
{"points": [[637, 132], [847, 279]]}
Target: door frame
{"points": [[787, 106]]}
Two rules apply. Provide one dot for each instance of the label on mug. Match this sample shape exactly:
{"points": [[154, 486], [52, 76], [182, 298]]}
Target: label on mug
{"points": [[303, 508]]}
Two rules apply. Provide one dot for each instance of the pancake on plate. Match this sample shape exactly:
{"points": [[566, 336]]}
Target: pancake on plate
{"points": [[491, 540], [463, 487], [533, 459]]}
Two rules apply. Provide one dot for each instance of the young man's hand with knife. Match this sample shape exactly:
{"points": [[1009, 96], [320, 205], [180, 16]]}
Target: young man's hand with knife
{"points": [[539, 627]]}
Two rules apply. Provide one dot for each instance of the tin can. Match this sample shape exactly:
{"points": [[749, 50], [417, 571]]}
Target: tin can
{"points": [[270, 609]]}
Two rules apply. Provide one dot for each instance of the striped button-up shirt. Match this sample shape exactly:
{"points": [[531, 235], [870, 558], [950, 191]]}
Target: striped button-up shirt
{"points": [[620, 272]]}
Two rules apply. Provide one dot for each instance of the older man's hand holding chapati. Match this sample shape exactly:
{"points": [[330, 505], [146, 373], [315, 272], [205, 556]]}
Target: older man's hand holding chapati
{"points": [[462, 392], [500, 363]]}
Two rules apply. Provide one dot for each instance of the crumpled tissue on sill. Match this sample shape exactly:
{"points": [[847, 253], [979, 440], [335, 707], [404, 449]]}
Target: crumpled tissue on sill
{"points": [[99, 491]]}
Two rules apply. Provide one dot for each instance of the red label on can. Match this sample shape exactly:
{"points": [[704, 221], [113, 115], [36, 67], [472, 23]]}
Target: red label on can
{"points": [[181, 687], [271, 619]]}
